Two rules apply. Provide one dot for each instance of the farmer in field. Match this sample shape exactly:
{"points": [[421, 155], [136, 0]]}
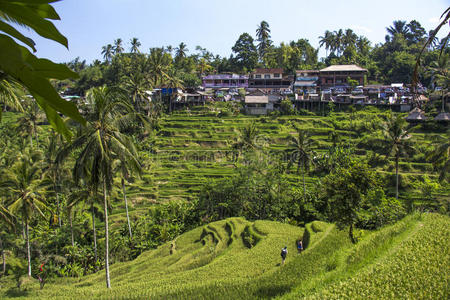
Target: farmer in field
{"points": [[284, 252], [299, 246]]}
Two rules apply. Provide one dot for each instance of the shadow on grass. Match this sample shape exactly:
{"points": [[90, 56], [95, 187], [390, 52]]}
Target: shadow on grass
{"points": [[272, 291], [15, 292]]}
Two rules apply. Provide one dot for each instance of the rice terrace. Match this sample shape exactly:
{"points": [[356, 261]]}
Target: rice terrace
{"points": [[249, 161]]}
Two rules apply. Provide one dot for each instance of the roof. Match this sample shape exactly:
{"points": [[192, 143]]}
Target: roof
{"points": [[341, 68], [267, 71], [257, 99], [305, 83], [443, 116], [415, 115], [307, 71]]}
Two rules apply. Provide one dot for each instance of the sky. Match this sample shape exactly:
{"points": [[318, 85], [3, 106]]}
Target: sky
{"points": [[216, 25]]}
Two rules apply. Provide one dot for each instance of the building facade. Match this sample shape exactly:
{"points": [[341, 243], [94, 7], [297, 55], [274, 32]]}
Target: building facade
{"points": [[219, 81], [337, 75], [306, 81], [270, 80]]}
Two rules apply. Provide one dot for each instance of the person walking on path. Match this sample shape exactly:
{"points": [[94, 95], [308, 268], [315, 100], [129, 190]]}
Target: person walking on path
{"points": [[300, 246], [284, 252]]}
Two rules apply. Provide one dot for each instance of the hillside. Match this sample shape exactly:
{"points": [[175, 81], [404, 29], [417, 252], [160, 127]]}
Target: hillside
{"points": [[238, 259]]}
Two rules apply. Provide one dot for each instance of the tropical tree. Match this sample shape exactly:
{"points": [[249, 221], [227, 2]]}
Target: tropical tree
{"points": [[263, 37], [326, 40], [10, 93], [158, 64], [27, 124], [440, 156], [246, 53], [439, 71], [181, 51], [398, 27], [117, 48], [247, 139], [23, 181], [397, 141], [135, 44], [107, 52], [34, 73], [102, 143], [137, 85], [301, 152]]}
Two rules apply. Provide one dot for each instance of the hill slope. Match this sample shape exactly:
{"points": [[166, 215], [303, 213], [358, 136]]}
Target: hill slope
{"points": [[238, 259]]}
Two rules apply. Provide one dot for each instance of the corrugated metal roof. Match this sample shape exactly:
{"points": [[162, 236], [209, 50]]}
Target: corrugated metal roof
{"points": [[343, 68], [305, 83], [257, 99]]}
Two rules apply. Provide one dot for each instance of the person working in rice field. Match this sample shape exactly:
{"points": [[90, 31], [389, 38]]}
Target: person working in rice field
{"points": [[299, 246], [284, 252]]}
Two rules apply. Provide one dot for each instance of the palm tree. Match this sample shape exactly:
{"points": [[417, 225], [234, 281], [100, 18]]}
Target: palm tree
{"points": [[137, 85], [399, 27], [326, 40], [10, 93], [440, 74], [301, 152], [363, 45], [23, 180], [337, 41], [118, 46], [107, 52], [247, 139], [102, 143], [349, 38], [263, 36], [181, 50], [396, 138], [27, 124], [135, 44], [440, 156], [158, 64]]}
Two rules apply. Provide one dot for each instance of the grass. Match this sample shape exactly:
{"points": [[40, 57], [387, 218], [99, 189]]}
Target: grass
{"points": [[409, 259]]}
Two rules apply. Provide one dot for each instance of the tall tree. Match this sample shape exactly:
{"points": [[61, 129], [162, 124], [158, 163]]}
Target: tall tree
{"points": [[397, 141], [181, 51], [301, 151], [398, 27], [10, 93], [263, 37], [118, 48], [246, 54], [107, 52], [326, 40], [24, 182], [135, 44], [102, 143]]}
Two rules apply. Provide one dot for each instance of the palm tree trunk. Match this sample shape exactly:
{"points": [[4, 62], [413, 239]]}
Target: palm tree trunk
{"points": [[396, 176], [108, 282], [28, 248], [58, 209], [350, 233], [126, 207], [95, 235], [71, 228], [304, 185]]}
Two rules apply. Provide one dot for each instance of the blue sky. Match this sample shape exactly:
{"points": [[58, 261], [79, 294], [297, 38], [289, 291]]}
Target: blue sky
{"points": [[216, 25]]}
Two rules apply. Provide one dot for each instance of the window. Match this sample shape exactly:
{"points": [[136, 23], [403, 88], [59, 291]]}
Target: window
{"points": [[258, 76], [276, 75], [267, 76]]}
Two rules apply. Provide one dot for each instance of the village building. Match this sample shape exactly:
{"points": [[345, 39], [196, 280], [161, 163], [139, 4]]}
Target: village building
{"points": [[225, 81], [306, 82], [337, 75], [270, 80]]}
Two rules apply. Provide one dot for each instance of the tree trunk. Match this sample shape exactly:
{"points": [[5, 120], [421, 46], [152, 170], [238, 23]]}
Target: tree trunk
{"points": [[108, 282], [58, 209], [3, 257], [350, 233], [71, 228], [95, 235], [28, 248], [396, 177], [126, 207], [304, 185]]}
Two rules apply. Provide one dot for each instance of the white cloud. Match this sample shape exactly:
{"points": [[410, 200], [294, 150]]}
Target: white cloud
{"points": [[362, 28]]}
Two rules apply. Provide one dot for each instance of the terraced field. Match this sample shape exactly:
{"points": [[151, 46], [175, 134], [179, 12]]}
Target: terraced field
{"points": [[194, 147], [237, 259]]}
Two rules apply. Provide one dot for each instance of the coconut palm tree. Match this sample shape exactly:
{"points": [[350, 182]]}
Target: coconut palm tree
{"points": [[263, 37], [118, 46], [181, 50], [301, 152], [397, 141], [399, 27], [107, 52], [27, 124], [326, 40], [440, 156], [158, 64], [137, 85], [349, 38], [135, 44], [247, 139], [23, 181], [102, 143], [337, 41], [439, 71], [10, 93]]}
